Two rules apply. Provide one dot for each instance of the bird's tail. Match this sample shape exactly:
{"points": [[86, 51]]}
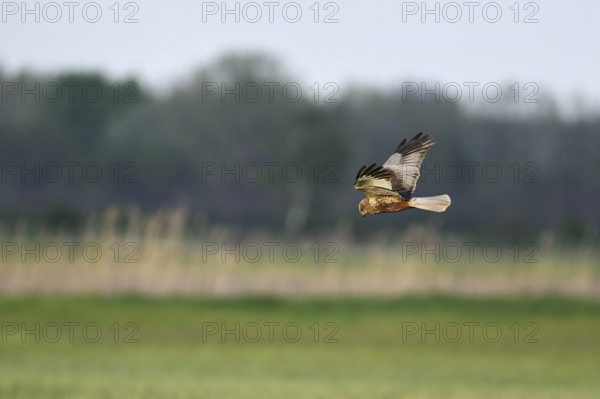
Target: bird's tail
{"points": [[439, 203]]}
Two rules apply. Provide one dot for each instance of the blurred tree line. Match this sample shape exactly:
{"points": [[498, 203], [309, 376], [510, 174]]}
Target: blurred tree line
{"points": [[236, 145]]}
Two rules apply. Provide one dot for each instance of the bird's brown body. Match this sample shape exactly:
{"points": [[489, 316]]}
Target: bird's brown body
{"points": [[375, 205]]}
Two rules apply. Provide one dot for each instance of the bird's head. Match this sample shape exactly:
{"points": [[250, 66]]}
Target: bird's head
{"points": [[362, 207]]}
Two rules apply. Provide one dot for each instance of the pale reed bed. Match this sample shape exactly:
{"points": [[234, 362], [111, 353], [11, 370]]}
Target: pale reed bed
{"points": [[156, 255]]}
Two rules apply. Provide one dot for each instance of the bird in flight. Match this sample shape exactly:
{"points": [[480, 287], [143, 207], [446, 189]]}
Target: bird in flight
{"points": [[389, 187]]}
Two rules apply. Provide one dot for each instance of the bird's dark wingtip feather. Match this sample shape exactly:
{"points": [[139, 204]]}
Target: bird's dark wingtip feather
{"points": [[400, 145], [373, 171], [371, 167], [360, 172], [416, 143], [365, 171]]}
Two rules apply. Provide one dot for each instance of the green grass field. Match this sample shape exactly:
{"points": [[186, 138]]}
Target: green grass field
{"points": [[353, 348]]}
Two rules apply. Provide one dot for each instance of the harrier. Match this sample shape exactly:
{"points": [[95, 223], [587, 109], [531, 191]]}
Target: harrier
{"points": [[389, 187]]}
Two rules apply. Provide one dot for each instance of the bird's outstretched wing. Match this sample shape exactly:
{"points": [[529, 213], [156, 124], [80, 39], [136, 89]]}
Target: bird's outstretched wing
{"points": [[375, 181], [405, 164], [399, 174]]}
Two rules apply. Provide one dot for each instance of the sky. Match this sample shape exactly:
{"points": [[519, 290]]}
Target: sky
{"points": [[546, 47]]}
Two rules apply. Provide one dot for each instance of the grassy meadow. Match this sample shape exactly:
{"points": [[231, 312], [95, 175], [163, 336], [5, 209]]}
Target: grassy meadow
{"points": [[328, 348]]}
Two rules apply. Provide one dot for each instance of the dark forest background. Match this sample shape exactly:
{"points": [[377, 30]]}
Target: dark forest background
{"points": [[165, 150]]}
